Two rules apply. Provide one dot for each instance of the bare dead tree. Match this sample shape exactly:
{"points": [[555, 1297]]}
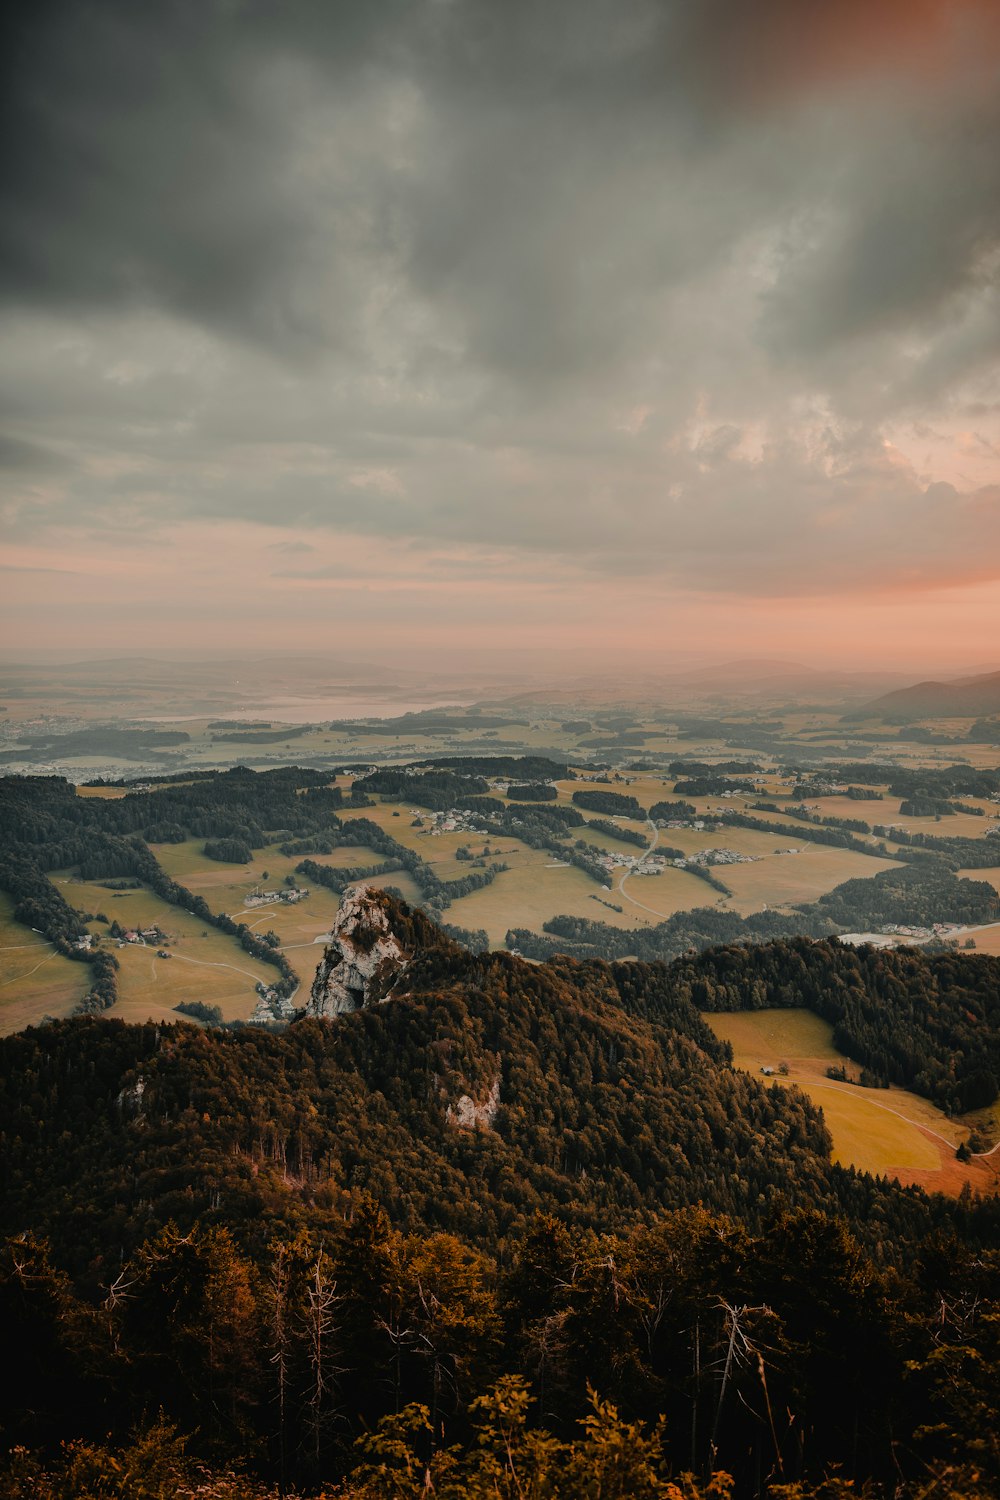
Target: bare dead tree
{"points": [[321, 1302], [743, 1350]]}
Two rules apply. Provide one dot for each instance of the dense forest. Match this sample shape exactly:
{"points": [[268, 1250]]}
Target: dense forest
{"points": [[929, 1022], [285, 1253], [519, 1231], [616, 804]]}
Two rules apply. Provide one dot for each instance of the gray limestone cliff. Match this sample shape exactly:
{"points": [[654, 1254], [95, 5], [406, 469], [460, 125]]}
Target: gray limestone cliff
{"points": [[363, 960]]}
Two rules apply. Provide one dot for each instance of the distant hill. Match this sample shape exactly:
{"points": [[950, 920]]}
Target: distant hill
{"points": [[747, 678], [964, 696]]}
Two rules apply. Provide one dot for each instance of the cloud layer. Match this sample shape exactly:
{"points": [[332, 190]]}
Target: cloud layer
{"points": [[592, 293]]}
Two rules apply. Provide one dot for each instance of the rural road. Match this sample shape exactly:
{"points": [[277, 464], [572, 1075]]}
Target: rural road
{"points": [[629, 873]]}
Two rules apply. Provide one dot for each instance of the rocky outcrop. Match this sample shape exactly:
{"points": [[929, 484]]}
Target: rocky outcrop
{"points": [[129, 1100], [363, 960], [468, 1114]]}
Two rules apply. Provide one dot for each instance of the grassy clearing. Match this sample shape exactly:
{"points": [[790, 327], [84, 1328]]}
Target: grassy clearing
{"points": [[224, 886], [35, 980], [429, 846], [875, 1130], [787, 879], [659, 896], [401, 881], [614, 846]]}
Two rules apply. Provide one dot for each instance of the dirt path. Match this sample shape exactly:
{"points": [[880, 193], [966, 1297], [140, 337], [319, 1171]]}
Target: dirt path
{"points": [[840, 1088], [17, 977], [203, 963], [238, 916]]}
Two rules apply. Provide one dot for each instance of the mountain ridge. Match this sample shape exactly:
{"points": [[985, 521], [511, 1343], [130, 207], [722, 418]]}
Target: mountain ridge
{"points": [[961, 697]]}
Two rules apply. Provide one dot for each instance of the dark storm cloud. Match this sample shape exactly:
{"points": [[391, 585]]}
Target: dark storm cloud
{"points": [[638, 281]]}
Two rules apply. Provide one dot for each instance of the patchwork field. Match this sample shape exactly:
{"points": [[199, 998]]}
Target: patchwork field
{"points": [[885, 1131], [536, 886], [225, 886]]}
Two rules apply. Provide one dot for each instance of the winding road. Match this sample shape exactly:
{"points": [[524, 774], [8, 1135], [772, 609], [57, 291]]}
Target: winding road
{"points": [[629, 873]]}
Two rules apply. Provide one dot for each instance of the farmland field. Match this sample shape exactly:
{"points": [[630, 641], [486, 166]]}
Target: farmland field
{"points": [[986, 939], [784, 879], [889, 1131], [205, 965], [35, 980], [659, 896], [534, 889]]}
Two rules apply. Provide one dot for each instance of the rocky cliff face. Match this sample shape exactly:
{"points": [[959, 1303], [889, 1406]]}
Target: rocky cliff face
{"points": [[363, 960]]}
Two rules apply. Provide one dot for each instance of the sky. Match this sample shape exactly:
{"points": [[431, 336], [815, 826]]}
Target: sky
{"points": [[635, 325]]}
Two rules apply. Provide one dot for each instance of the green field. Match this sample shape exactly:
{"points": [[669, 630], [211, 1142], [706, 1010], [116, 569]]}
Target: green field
{"points": [[35, 980]]}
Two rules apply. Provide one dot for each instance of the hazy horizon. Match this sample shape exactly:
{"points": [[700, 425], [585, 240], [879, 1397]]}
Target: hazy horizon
{"points": [[398, 664], [635, 333]]}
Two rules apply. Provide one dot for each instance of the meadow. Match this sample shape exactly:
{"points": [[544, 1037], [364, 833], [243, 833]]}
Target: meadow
{"points": [[784, 880], [205, 964], [35, 980], [535, 888], [884, 1131]]}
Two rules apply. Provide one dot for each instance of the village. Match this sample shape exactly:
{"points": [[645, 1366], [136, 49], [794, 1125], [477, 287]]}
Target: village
{"points": [[271, 1008], [287, 897], [652, 863]]}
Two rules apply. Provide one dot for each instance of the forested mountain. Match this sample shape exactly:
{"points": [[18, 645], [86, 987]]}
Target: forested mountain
{"points": [[403, 1243]]}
